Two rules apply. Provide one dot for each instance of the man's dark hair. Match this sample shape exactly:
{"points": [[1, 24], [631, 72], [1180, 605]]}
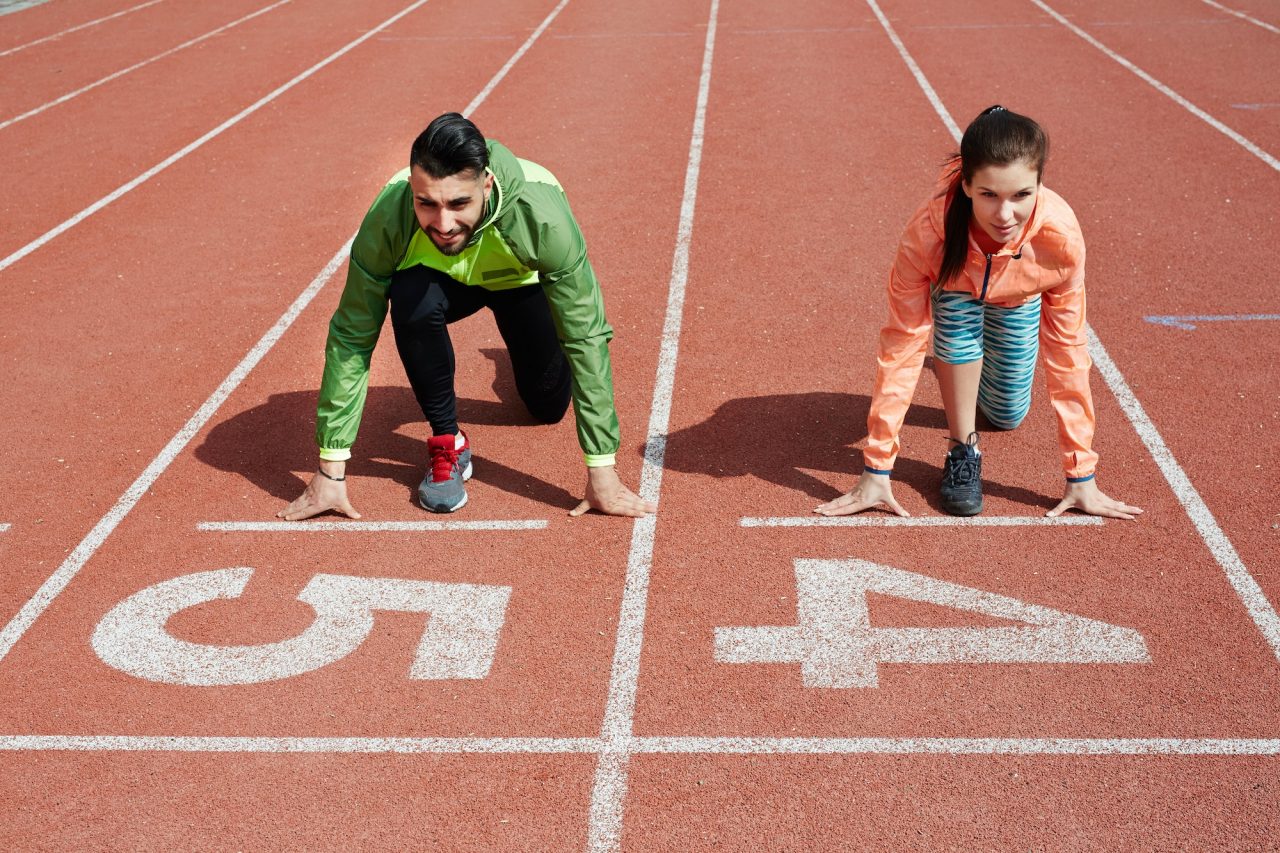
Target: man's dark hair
{"points": [[450, 144]]}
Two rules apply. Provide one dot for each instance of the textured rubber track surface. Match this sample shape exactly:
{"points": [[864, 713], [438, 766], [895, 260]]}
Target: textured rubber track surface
{"points": [[790, 142]]}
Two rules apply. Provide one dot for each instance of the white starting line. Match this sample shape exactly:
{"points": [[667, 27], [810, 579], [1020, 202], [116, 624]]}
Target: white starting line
{"points": [[922, 521], [369, 526], [1209, 747]]}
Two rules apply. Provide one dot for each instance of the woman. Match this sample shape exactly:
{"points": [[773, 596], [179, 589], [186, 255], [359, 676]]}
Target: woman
{"points": [[993, 264]]}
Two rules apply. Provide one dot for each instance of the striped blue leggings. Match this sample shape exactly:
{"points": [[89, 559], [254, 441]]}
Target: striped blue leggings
{"points": [[1007, 339]]}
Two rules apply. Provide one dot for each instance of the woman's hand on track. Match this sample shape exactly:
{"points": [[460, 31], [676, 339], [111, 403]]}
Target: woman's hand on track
{"points": [[1089, 499], [321, 495], [872, 490]]}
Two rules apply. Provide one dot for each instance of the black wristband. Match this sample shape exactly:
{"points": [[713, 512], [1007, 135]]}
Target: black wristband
{"points": [[321, 472]]}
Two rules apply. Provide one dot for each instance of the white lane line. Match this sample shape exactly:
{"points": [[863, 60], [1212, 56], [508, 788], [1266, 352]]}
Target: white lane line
{"points": [[70, 567], [1259, 609], [915, 71], [217, 131], [367, 526], [135, 743], [1165, 90], [1242, 15], [958, 746], [1188, 321], [604, 828], [4, 527], [85, 25], [136, 66], [921, 521], [515, 57], [1207, 747]]}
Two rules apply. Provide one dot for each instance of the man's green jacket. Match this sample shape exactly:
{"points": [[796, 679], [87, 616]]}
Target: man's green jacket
{"points": [[527, 235]]}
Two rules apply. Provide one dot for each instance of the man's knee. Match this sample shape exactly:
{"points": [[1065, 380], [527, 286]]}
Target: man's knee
{"points": [[547, 396]]}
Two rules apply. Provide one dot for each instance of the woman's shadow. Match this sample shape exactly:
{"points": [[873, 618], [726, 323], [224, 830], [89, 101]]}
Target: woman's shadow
{"points": [[262, 444], [780, 438]]}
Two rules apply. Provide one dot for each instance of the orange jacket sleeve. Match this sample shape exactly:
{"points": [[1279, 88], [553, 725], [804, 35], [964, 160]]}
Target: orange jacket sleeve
{"points": [[903, 339], [1064, 351]]}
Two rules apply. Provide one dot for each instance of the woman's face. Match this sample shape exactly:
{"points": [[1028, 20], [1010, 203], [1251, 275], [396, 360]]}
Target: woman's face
{"points": [[1003, 198]]}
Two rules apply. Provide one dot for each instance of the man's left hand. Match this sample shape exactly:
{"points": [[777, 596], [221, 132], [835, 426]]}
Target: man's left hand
{"points": [[606, 493]]}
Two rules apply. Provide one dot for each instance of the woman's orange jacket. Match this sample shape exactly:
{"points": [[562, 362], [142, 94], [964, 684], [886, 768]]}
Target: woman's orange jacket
{"points": [[1047, 257]]}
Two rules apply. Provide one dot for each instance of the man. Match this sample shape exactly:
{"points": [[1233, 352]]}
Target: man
{"points": [[469, 226]]}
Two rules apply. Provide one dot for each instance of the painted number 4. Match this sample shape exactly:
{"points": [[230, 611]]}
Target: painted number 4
{"points": [[459, 642], [836, 646]]}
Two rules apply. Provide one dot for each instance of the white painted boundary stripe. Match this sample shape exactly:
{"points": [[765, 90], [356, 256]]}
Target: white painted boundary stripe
{"points": [[83, 26], [604, 829], [1208, 747], [926, 521], [135, 67], [960, 746], [4, 527], [367, 526], [70, 567], [916, 72], [1262, 24], [217, 131], [1165, 90], [1259, 609], [449, 746]]}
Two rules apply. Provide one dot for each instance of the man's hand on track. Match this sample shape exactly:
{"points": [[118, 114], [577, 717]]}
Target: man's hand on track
{"points": [[321, 495], [607, 494]]}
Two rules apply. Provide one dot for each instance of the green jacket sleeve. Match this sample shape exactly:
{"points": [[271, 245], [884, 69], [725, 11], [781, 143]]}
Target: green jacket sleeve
{"points": [[559, 253], [354, 328]]}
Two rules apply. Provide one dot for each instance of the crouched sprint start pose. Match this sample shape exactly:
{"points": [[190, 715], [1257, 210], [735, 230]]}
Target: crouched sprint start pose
{"points": [[468, 226], [993, 266]]}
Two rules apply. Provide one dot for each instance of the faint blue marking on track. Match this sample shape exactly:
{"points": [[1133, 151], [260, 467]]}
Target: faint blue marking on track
{"points": [[1188, 321]]}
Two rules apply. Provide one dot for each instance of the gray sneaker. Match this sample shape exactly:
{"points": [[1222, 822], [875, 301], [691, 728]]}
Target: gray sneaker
{"points": [[442, 490]]}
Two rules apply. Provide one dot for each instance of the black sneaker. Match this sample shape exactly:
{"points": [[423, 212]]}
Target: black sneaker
{"points": [[962, 478]]}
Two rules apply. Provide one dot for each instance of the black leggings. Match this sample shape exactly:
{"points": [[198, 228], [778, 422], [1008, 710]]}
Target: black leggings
{"points": [[425, 301]]}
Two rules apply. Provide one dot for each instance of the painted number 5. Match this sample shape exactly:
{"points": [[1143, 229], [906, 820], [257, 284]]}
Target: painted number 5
{"points": [[459, 642]]}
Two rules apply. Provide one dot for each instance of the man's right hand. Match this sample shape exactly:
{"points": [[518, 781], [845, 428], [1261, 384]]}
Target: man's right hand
{"points": [[321, 495]]}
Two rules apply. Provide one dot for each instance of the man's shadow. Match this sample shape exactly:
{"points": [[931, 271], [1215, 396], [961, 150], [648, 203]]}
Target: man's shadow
{"points": [[780, 438], [262, 444]]}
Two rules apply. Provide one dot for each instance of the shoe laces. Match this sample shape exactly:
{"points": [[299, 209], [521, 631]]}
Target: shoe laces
{"points": [[965, 467], [443, 460]]}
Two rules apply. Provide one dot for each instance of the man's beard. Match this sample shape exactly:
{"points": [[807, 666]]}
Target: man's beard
{"points": [[454, 248]]}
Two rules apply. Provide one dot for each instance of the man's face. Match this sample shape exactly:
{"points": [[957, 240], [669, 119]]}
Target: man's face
{"points": [[449, 208]]}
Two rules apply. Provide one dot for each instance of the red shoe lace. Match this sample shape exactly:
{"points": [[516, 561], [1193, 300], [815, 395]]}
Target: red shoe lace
{"points": [[443, 460]]}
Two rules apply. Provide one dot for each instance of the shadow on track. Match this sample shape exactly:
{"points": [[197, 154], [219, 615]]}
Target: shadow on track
{"points": [[780, 438], [264, 443]]}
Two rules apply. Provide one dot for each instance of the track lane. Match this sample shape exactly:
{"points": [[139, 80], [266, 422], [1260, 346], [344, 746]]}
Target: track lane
{"points": [[776, 357], [553, 670], [52, 69], [175, 299], [1176, 217], [39, 25], [1223, 65], [251, 62]]}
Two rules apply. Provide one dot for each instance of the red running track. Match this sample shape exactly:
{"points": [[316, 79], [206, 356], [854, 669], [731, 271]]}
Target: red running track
{"points": [[818, 143]]}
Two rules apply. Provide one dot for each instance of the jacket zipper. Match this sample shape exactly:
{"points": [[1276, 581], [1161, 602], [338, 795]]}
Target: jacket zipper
{"points": [[985, 276]]}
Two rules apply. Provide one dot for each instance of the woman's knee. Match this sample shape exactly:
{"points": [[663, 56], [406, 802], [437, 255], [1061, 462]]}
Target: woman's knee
{"points": [[1003, 417]]}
